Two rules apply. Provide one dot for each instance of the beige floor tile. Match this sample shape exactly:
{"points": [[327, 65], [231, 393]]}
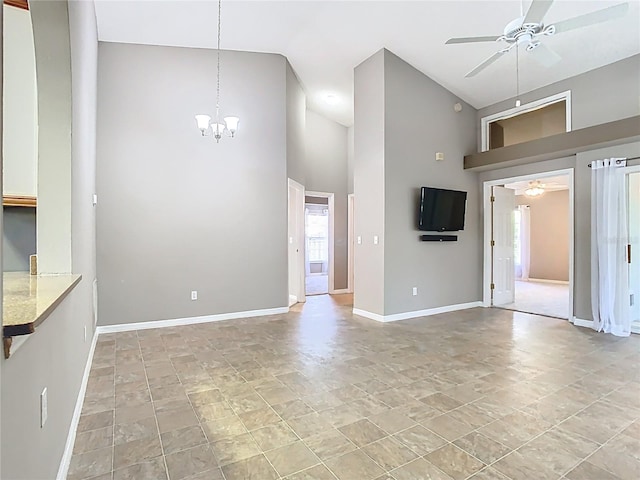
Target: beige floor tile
{"points": [[309, 425], [190, 462], [274, 436], [481, 447], [259, 418], [133, 414], [392, 421], [127, 432], [420, 440], [389, 453], [587, 470], [488, 473], [319, 472], [153, 469], [292, 409], [254, 468], [136, 451], [455, 462], [182, 439], [362, 432], [441, 402], [233, 449], [329, 444], [93, 440], [213, 411], [90, 464], [419, 469], [447, 427], [94, 421], [619, 458], [515, 429], [177, 418], [292, 458], [518, 467], [354, 465]]}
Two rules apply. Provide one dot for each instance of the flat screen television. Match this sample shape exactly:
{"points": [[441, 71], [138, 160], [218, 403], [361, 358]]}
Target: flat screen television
{"points": [[441, 210]]}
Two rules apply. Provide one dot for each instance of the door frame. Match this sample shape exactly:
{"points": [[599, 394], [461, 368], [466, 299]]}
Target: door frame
{"points": [[300, 291], [627, 171], [350, 241], [487, 259], [331, 264]]}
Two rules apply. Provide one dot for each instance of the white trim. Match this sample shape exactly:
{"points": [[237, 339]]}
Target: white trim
{"points": [[292, 300], [65, 461], [544, 280], [331, 198], [527, 107], [350, 241], [176, 322], [340, 291], [416, 313], [486, 287], [579, 322], [298, 290]]}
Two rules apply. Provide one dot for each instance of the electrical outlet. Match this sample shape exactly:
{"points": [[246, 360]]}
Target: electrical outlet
{"points": [[415, 291], [375, 239], [43, 407], [194, 294]]}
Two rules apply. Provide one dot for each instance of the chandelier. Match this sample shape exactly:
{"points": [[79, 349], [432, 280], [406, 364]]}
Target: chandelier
{"points": [[229, 126], [535, 189]]}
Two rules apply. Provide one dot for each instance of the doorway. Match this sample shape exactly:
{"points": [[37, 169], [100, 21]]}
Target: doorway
{"points": [[318, 234], [529, 244], [295, 234], [633, 249]]}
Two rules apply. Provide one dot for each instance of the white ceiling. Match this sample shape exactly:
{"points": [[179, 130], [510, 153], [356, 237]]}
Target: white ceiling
{"points": [[550, 184], [325, 40]]}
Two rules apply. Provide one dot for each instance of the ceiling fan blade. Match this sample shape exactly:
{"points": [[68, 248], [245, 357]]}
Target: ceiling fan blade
{"points": [[472, 40], [545, 56], [485, 64], [537, 11], [592, 18]]}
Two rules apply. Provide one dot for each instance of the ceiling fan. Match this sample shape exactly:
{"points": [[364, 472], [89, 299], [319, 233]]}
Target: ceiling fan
{"points": [[528, 29]]}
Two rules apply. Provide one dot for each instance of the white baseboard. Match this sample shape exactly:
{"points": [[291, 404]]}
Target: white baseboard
{"points": [[293, 300], [339, 291], [176, 322], [544, 280], [417, 313], [579, 322], [71, 436]]}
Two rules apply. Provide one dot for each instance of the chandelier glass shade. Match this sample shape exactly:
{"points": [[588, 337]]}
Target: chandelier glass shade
{"points": [[229, 125], [535, 189]]}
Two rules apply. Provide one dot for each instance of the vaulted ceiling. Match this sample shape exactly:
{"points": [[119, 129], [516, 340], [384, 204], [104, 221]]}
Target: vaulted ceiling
{"points": [[325, 40]]}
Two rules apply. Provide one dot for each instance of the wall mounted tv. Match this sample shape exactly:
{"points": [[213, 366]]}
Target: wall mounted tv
{"points": [[441, 210]]}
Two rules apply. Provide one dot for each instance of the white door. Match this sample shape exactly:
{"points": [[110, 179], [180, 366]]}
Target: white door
{"points": [[295, 237], [634, 243], [351, 239], [503, 275]]}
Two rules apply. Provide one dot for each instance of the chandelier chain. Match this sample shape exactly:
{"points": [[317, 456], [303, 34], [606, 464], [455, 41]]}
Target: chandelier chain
{"points": [[218, 66]]}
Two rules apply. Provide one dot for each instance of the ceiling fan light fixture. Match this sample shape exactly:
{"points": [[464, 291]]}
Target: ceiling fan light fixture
{"points": [[535, 189]]}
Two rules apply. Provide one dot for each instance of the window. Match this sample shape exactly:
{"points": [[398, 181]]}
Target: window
{"points": [[317, 232]]}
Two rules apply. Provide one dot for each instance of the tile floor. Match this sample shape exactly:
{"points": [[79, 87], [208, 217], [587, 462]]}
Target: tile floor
{"points": [[316, 284], [321, 394]]}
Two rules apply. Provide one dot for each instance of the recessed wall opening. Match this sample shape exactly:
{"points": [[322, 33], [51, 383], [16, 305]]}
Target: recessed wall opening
{"points": [[316, 220], [543, 122], [538, 119]]}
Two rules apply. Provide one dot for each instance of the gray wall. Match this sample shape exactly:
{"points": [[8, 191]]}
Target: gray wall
{"points": [[350, 156], [1, 192], [420, 121], [55, 355], [602, 95], [178, 212], [368, 180], [18, 238], [549, 235], [296, 127], [326, 171]]}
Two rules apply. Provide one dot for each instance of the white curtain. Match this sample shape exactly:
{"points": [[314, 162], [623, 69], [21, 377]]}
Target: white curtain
{"points": [[609, 273], [525, 241]]}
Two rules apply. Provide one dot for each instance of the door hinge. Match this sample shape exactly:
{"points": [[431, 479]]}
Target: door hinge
{"points": [[628, 253], [631, 300], [493, 286], [493, 243], [493, 199]]}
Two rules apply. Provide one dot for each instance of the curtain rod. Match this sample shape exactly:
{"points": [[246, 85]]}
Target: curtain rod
{"points": [[618, 162]]}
